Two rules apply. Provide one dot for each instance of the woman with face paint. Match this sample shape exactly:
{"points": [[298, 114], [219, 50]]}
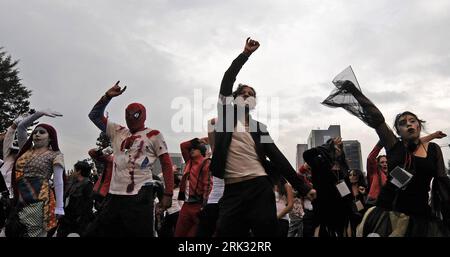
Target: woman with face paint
{"points": [[38, 205], [402, 207], [242, 146], [377, 168]]}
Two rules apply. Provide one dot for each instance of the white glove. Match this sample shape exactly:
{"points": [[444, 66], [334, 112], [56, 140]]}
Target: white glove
{"points": [[59, 210]]}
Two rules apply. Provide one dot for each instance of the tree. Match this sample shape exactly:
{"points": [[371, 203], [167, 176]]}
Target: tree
{"points": [[103, 140], [13, 95]]}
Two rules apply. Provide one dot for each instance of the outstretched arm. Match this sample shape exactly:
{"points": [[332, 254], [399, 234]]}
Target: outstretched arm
{"points": [[97, 113], [372, 116], [372, 165], [185, 149], [289, 200], [22, 125], [436, 135]]}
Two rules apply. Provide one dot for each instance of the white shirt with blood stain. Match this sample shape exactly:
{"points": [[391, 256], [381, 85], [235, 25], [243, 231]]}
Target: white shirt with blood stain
{"points": [[144, 147]]}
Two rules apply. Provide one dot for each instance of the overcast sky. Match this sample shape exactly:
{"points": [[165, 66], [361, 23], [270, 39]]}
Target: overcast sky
{"points": [[71, 52]]}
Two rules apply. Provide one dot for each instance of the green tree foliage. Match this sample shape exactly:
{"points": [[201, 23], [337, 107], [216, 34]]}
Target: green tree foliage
{"points": [[13, 95]]}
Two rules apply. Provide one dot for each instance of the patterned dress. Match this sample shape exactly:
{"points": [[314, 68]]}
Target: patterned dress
{"points": [[36, 200]]}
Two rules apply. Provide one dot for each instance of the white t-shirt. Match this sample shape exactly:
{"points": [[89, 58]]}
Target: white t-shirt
{"points": [[217, 190], [145, 147], [242, 160]]}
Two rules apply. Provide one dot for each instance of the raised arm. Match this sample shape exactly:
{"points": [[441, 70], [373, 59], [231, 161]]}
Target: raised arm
{"points": [[226, 87], [289, 200], [97, 113], [436, 135], [28, 121], [371, 115], [8, 140], [372, 165], [184, 147]]}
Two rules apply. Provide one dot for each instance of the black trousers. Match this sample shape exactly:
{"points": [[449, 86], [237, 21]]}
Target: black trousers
{"points": [[208, 220], [248, 206], [123, 216], [309, 223], [168, 225], [283, 228]]}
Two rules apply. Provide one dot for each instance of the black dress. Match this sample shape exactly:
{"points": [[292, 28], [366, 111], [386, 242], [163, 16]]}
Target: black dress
{"points": [[400, 212], [331, 210]]}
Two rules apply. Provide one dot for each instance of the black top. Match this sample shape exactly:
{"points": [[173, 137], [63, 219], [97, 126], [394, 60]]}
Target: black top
{"points": [[331, 209], [264, 146], [414, 199]]}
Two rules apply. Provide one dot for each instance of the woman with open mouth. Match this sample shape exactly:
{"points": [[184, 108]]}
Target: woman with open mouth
{"points": [[402, 208]]}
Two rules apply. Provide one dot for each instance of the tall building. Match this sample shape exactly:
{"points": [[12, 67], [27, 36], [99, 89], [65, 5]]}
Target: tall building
{"points": [[318, 137], [301, 148], [352, 149]]}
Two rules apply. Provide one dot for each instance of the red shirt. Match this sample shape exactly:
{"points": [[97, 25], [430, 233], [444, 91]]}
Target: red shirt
{"points": [[200, 182], [374, 175], [102, 185]]}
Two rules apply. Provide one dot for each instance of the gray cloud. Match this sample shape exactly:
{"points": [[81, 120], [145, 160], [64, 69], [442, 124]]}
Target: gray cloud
{"points": [[71, 51]]}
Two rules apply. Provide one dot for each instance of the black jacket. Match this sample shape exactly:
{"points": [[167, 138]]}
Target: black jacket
{"points": [[265, 148]]}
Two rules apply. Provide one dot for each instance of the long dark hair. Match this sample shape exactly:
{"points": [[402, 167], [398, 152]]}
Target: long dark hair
{"points": [[52, 135], [359, 174], [342, 160]]}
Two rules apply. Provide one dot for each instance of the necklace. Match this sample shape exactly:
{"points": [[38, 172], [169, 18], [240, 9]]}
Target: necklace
{"points": [[38, 152]]}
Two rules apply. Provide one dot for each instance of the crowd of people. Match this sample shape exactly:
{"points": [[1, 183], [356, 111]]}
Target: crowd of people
{"points": [[235, 181]]}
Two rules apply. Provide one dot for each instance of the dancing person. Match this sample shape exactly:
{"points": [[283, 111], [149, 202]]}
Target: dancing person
{"points": [[195, 186], [242, 146], [402, 207], [129, 207]]}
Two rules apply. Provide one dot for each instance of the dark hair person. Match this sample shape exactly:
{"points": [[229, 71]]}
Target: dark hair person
{"points": [[357, 184], [38, 161], [242, 145], [402, 209], [333, 206]]}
